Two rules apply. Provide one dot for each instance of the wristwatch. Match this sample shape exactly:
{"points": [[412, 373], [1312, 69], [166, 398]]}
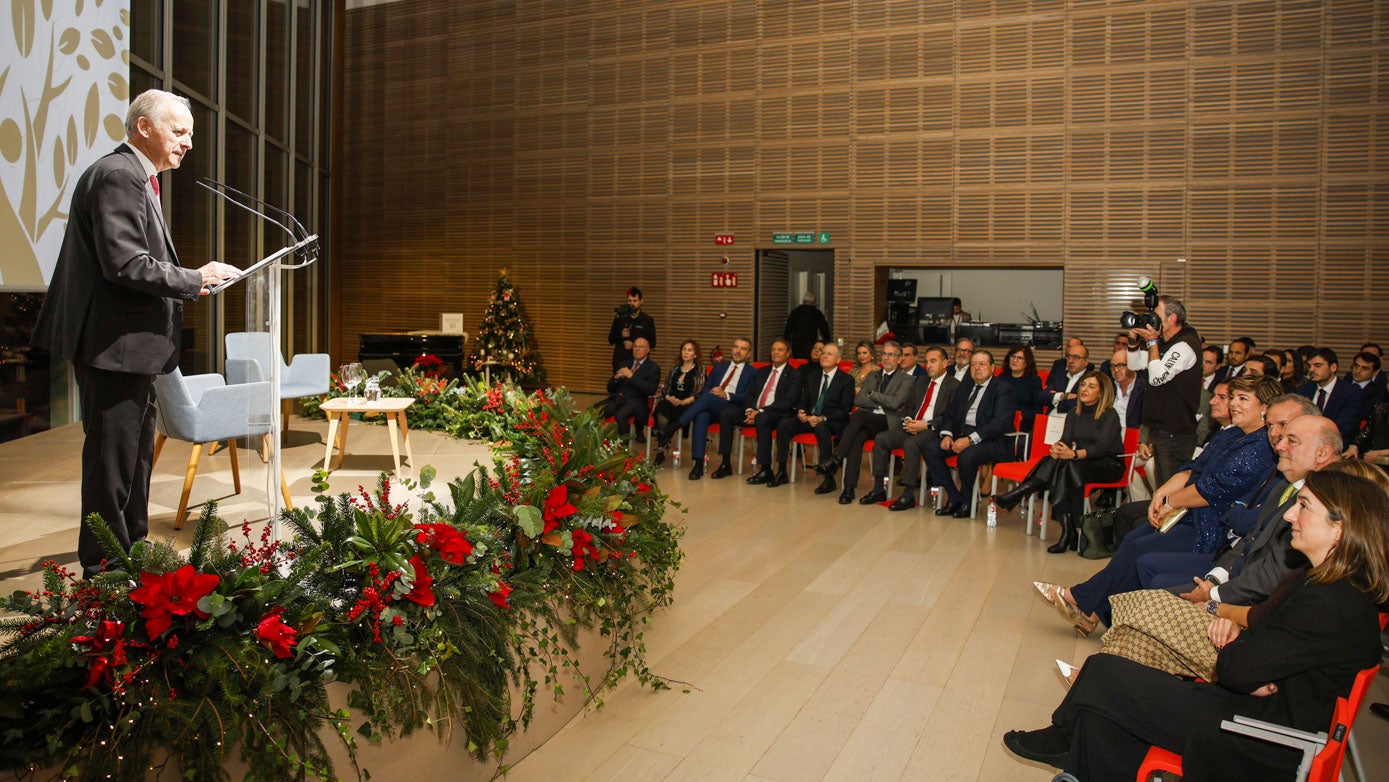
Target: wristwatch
{"points": [[1212, 606]]}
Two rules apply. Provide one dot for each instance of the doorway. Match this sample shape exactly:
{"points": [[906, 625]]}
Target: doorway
{"points": [[783, 277]]}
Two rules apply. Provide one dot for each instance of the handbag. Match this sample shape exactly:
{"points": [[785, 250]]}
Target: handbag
{"points": [[1099, 534], [1161, 630]]}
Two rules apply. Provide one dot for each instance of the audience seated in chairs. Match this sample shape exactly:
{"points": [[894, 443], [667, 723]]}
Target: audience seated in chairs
{"points": [[916, 428], [964, 348], [865, 363], [726, 388], [810, 370], [974, 432], [682, 387], [1020, 372], [1364, 373], [1061, 386], [827, 399], [909, 360], [1058, 367], [1128, 390], [885, 389], [630, 390], [1089, 451], [776, 389], [1372, 442], [1303, 648], [1338, 399], [1235, 462]]}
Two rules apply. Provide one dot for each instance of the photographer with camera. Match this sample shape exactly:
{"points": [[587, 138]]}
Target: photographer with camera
{"points": [[1171, 354], [630, 322]]}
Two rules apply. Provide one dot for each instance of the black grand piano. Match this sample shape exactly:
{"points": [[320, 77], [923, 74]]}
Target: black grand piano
{"points": [[403, 347]]}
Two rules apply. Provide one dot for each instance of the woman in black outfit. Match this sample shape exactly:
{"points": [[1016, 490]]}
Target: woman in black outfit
{"points": [[1089, 451], [682, 387], [1020, 374], [1373, 440], [1301, 652]]}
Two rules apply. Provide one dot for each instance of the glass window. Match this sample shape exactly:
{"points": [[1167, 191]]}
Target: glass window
{"points": [[243, 58], [276, 69], [303, 78], [195, 46], [147, 31], [193, 223], [239, 247]]}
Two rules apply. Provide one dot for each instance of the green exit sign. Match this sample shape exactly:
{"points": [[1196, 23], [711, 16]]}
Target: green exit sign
{"points": [[783, 238], [823, 237]]}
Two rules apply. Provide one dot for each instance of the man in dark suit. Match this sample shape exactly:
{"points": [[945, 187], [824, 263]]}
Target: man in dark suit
{"points": [[1337, 399], [827, 398], [630, 323], [115, 310], [630, 390], [1061, 386], [909, 359], [884, 389], [806, 325], [727, 387], [974, 429], [1058, 367], [915, 430], [1212, 362], [1235, 356], [1363, 373], [1128, 389], [776, 390]]}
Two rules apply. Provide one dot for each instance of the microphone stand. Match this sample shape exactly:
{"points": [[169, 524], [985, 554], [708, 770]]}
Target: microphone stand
{"points": [[301, 242]]}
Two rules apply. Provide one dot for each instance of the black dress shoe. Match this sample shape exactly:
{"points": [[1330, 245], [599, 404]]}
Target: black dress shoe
{"points": [[660, 457], [962, 512], [1380, 710], [780, 479], [723, 471], [829, 466], [1047, 745], [872, 497], [827, 485], [905, 502], [846, 496], [761, 476], [697, 471], [949, 508]]}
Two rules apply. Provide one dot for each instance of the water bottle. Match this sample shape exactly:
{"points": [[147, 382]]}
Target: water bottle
{"points": [[675, 457], [373, 390], [993, 514], [935, 496]]}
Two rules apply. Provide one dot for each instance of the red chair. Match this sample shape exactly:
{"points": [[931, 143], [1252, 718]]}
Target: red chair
{"points": [[1044, 374], [1017, 471], [1322, 753], [1130, 453], [797, 363], [846, 366]]}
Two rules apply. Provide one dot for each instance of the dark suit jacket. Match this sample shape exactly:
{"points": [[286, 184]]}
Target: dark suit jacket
{"points": [[894, 397], [945, 393], [1343, 406], [1260, 559], [638, 388], [115, 301], [994, 418], [1056, 384], [1374, 393], [1133, 413], [1058, 367], [839, 398], [735, 395], [788, 389]]}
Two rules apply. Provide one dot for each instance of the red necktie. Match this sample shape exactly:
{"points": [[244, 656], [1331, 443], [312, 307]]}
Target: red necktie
{"points": [[728, 377], [154, 183], [925, 403], [767, 390]]}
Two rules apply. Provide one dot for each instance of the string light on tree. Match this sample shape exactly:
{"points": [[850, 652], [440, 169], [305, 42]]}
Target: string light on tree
{"points": [[505, 346]]}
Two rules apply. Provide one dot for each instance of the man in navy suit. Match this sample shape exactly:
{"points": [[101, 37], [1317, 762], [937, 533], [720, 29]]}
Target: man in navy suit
{"points": [[909, 364], [1238, 352], [630, 390], [776, 390], [1061, 386], [1058, 367], [1364, 372], [1128, 389], [974, 429], [827, 398], [1338, 399], [115, 310], [727, 387]]}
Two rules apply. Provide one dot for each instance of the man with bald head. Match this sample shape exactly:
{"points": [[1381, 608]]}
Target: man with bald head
{"points": [[115, 310]]}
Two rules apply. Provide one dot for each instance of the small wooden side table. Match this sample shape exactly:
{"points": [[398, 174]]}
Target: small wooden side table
{"points": [[339, 411]]}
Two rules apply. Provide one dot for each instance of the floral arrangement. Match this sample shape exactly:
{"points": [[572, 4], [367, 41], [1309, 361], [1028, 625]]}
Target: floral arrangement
{"points": [[449, 617]]}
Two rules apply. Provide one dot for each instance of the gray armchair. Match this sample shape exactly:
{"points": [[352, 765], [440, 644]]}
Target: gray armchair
{"points": [[248, 361], [203, 409]]}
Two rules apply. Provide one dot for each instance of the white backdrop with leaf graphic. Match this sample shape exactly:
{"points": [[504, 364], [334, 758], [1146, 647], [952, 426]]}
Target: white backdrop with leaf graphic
{"points": [[63, 94]]}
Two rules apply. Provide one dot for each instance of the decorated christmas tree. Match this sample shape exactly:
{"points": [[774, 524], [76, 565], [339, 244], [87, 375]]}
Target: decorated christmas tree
{"points": [[504, 345]]}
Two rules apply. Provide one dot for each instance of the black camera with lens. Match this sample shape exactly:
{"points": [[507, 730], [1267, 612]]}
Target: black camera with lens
{"points": [[1141, 320], [623, 311]]}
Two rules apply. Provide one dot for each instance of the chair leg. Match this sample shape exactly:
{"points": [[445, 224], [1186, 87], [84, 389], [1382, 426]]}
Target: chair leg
{"points": [[791, 461], [1030, 525], [188, 474], [891, 472], [236, 465], [921, 484], [286, 405], [159, 439], [1046, 516], [265, 446], [284, 490]]}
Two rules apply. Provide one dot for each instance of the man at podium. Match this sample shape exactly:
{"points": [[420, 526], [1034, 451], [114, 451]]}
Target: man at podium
{"points": [[115, 310]]}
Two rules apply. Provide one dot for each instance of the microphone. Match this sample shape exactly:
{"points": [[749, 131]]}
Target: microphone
{"points": [[298, 236]]}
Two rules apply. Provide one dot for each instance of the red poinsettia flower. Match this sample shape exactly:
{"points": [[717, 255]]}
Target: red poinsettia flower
{"points": [[423, 593], [453, 545], [107, 652], [499, 596], [275, 634], [557, 506], [617, 528], [168, 595], [583, 547]]}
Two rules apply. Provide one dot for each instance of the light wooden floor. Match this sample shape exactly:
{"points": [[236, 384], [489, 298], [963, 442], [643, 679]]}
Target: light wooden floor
{"points": [[816, 641]]}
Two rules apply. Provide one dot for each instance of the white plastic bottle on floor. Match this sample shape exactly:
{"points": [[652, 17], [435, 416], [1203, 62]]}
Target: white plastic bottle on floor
{"points": [[993, 514]]}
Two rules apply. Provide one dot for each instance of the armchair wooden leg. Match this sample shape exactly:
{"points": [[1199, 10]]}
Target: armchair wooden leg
{"points": [[236, 465], [286, 405], [265, 447], [284, 490], [188, 474], [159, 439]]}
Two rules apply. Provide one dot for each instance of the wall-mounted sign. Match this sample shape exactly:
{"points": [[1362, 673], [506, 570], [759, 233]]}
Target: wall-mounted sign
{"points": [[723, 279], [792, 238], [723, 239]]}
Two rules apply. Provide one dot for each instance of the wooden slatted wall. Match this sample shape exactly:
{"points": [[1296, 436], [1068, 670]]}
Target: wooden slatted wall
{"points": [[1233, 150]]}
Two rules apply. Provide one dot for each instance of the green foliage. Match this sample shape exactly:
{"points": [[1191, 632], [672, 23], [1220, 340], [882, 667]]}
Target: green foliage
{"points": [[504, 344], [449, 617]]}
